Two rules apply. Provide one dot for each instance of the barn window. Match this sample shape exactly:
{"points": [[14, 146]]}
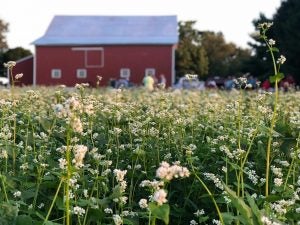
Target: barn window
{"points": [[56, 73], [150, 71], [93, 56], [125, 73], [81, 73]]}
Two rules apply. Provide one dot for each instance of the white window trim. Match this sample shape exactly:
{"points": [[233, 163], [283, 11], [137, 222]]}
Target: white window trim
{"points": [[149, 70], [85, 50], [78, 73], [54, 73], [125, 73]]}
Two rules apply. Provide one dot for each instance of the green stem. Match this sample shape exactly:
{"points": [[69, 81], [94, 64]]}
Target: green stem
{"points": [[273, 120], [53, 201], [292, 163], [210, 195], [4, 189]]}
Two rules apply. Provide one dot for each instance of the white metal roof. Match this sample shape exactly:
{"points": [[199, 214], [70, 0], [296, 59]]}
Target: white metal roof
{"points": [[91, 30]]}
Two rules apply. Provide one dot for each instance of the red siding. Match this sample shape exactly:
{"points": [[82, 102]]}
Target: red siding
{"points": [[135, 57], [24, 66]]}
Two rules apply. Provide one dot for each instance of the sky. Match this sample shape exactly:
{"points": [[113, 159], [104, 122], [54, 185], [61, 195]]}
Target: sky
{"points": [[29, 19]]}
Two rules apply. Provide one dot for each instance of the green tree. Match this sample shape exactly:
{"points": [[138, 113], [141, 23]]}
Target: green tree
{"points": [[191, 57], [285, 31], [207, 53], [15, 54], [218, 51], [3, 30], [259, 64]]}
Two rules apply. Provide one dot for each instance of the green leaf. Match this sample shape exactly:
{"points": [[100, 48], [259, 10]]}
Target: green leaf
{"points": [[228, 217], [24, 220], [160, 212], [95, 215], [240, 205], [277, 77], [274, 49], [52, 223], [254, 208], [273, 198], [130, 221]]}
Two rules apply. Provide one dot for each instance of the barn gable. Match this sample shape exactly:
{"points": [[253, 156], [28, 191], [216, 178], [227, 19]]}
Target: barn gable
{"points": [[95, 30]]}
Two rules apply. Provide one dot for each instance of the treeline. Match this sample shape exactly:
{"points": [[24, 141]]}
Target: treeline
{"points": [[207, 53]]}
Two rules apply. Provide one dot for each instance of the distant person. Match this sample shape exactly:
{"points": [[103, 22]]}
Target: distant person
{"points": [[162, 81], [287, 83], [251, 83], [122, 83], [148, 82], [211, 84], [266, 85], [228, 84]]}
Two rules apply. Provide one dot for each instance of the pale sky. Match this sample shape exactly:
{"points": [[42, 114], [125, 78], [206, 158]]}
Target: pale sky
{"points": [[29, 19]]}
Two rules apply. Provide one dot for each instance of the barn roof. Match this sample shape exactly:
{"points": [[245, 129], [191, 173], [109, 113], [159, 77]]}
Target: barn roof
{"points": [[91, 30]]}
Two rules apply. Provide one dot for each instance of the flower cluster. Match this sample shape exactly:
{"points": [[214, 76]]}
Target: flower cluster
{"points": [[167, 172]]}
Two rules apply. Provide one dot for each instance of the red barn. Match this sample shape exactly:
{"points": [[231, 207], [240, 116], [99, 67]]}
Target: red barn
{"points": [[75, 49]]}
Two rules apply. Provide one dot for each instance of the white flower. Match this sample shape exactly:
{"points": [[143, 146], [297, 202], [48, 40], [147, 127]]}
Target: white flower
{"points": [[3, 154], [143, 203], [77, 125], [165, 171], [216, 222], [199, 212], [85, 193], [62, 163], [120, 174], [108, 210], [18, 76], [79, 152], [160, 196], [281, 59], [78, 211], [193, 222], [17, 194], [271, 42], [266, 220], [9, 64], [278, 182], [41, 205], [117, 219]]}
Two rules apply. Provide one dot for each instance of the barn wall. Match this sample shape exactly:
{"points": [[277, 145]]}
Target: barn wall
{"points": [[137, 58], [25, 66]]}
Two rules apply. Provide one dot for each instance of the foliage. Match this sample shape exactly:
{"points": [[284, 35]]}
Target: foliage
{"points": [[285, 30], [12, 54], [220, 137], [207, 53], [3, 30], [191, 57]]}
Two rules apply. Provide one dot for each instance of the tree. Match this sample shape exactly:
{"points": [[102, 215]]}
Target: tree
{"points": [[219, 53], [260, 64], [15, 54], [3, 30], [207, 53], [285, 31], [191, 57]]}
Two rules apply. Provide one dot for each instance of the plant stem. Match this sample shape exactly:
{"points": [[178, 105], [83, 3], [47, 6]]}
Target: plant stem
{"points": [[210, 195], [4, 189], [53, 201], [273, 121]]}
